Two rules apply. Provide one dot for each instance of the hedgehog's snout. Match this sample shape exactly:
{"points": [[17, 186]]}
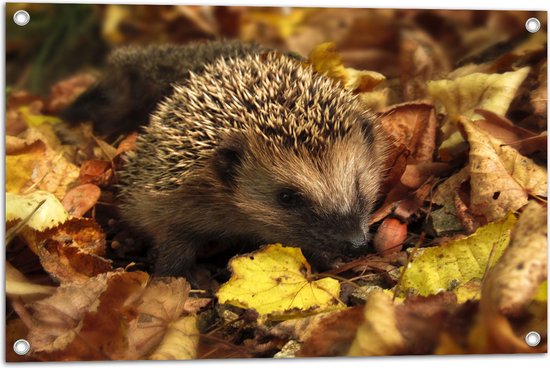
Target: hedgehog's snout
{"points": [[356, 243]]}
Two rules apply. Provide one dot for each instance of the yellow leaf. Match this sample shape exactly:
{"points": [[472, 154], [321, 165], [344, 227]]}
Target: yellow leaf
{"points": [[114, 16], [285, 24], [51, 213], [368, 84], [451, 264], [20, 168], [325, 60], [36, 163], [542, 292], [275, 281], [180, 341], [35, 120], [463, 95]]}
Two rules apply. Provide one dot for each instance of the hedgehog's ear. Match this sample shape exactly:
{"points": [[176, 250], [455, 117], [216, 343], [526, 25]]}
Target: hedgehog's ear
{"points": [[227, 159]]}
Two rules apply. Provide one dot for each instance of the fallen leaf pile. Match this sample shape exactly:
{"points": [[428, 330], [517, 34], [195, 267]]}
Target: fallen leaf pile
{"points": [[458, 261]]}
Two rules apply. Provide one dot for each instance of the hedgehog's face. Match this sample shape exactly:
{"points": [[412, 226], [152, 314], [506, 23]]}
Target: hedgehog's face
{"points": [[320, 202]]}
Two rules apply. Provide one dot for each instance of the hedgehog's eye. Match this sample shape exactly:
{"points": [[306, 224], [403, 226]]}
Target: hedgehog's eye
{"points": [[289, 198]]}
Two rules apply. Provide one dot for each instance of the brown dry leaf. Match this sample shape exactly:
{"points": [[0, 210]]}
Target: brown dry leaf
{"points": [[16, 121], [193, 305], [445, 192], [57, 319], [127, 144], [421, 321], [80, 199], [421, 60], [98, 172], [104, 149], [446, 219], [72, 251], [378, 334], [327, 334], [15, 330], [63, 93], [415, 175], [513, 282], [17, 145], [86, 321], [320, 25], [523, 140], [500, 178], [382, 327], [115, 315], [406, 195], [395, 166], [180, 341], [413, 125], [539, 97], [414, 201]]}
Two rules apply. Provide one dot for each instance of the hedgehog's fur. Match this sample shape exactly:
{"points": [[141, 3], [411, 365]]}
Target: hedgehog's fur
{"points": [[224, 153], [137, 78]]}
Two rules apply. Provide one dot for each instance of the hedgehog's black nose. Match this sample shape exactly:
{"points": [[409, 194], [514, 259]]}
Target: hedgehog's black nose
{"points": [[357, 243]]}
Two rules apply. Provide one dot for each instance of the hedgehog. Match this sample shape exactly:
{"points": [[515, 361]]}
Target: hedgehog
{"points": [[253, 150], [137, 78]]}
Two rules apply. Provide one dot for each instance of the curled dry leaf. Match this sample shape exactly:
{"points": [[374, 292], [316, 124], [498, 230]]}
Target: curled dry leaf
{"points": [[276, 282], [523, 140], [160, 304], [378, 335], [96, 172], [446, 218], [180, 341], [500, 178], [18, 285], [80, 199], [513, 282]]}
